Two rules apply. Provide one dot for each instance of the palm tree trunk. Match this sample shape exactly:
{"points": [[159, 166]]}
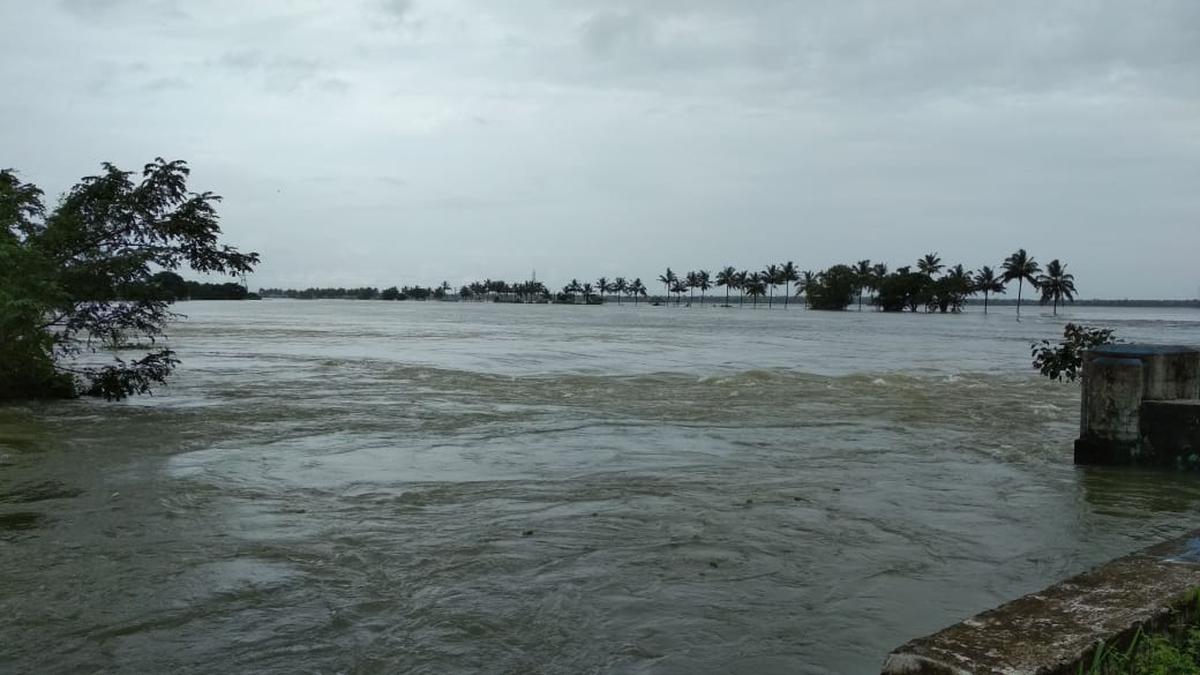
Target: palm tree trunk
{"points": [[771, 297], [860, 300], [985, 298], [787, 293], [1020, 285], [1056, 305], [741, 298], [726, 296]]}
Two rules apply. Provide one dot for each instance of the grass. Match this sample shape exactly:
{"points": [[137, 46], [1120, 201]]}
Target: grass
{"points": [[1174, 651]]}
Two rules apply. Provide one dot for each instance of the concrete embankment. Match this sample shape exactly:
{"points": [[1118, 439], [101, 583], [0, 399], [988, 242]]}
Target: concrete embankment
{"points": [[1053, 631]]}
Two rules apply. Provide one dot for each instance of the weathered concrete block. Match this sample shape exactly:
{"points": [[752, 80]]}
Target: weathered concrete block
{"points": [[1051, 632], [1119, 381], [1170, 433]]}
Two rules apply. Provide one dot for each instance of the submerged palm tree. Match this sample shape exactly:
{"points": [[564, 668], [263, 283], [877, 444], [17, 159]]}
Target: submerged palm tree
{"points": [[987, 282], [573, 288], [807, 279], [1021, 267], [771, 277], [879, 272], [756, 286], [703, 282], [587, 293], [727, 278], [743, 278], [666, 279], [930, 264], [679, 287], [863, 279], [789, 273], [1057, 284], [619, 286], [602, 287], [693, 282], [637, 288]]}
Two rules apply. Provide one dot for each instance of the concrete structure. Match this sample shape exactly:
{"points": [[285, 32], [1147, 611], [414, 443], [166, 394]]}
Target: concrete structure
{"points": [[1053, 631], [1140, 405]]}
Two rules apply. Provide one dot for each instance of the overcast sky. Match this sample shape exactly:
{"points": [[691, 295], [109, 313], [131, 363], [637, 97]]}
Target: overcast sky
{"points": [[403, 141]]}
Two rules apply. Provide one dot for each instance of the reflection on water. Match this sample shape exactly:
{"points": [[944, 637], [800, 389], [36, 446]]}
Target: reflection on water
{"points": [[384, 487]]}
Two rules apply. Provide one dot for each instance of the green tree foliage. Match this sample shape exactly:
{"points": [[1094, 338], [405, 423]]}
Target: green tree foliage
{"points": [[1021, 267], [987, 282], [833, 289], [79, 278], [1064, 360], [1056, 284]]}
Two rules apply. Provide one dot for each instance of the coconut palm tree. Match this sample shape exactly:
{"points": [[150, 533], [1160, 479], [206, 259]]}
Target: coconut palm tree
{"points": [[1057, 284], [879, 272], [637, 288], [987, 282], [603, 286], [679, 287], [863, 279], [703, 282], [789, 273], [573, 288], [1021, 267], [771, 279], [619, 286], [743, 278], [727, 278], [756, 286], [693, 282], [666, 279], [930, 264], [587, 293], [807, 279]]}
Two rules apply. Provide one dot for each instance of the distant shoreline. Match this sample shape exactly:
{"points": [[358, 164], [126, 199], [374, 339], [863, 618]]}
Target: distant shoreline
{"points": [[719, 300]]}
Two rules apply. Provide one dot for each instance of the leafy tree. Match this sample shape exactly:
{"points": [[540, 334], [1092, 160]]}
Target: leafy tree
{"points": [[904, 289], [727, 278], [833, 289], [950, 292], [878, 272], [393, 293], [1057, 285], [1021, 267], [1064, 360], [80, 276], [587, 293], [987, 282]]}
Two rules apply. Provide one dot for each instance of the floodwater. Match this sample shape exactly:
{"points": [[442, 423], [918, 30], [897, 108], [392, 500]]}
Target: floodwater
{"points": [[370, 487]]}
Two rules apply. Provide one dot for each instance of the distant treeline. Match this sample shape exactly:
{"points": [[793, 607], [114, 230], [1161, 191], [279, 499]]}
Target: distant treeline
{"points": [[1102, 302], [362, 293], [171, 286]]}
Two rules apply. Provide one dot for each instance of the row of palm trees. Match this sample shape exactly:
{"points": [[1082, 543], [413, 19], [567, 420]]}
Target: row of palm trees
{"points": [[928, 286]]}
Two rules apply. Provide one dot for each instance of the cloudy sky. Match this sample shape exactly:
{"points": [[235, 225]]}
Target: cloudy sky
{"points": [[404, 141]]}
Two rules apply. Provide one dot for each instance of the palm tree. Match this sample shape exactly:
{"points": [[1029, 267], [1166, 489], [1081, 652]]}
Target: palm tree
{"points": [[807, 279], [693, 282], [705, 283], [863, 279], [789, 273], [679, 287], [666, 279], [1023, 268], [587, 293], [636, 288], [573, 287], [771, 278], [930, 264], [987, 282], [727, 278], [743, 278], [1057, 284], [756, 286], [603, 286], [619, 286], [879, 272]]}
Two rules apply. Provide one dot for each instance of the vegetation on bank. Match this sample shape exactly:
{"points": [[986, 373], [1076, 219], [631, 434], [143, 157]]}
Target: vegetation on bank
{"points": [[77, 282], [1173, 651], [929, 285]]}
